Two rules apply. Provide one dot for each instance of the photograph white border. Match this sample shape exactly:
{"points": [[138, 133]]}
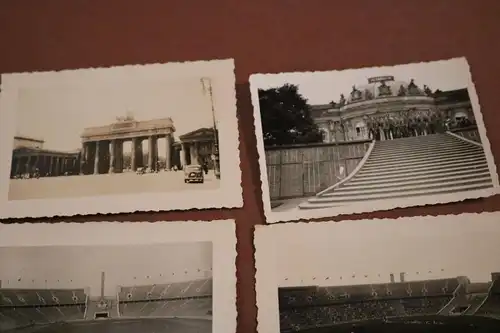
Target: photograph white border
{"points": [[373, 205], [267, 278], [221, 233], [228, 195]]}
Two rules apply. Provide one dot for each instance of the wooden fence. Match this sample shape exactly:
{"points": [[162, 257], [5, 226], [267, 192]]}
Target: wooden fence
{"points": [[304, 170]]}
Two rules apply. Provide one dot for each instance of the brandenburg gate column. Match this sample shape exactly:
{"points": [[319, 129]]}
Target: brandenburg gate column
{"points": [[112, 151], [51, 165], [96, 158], [83, 158], [183, 154], [151, 153], [133, 153], [57, 166], [27, 166], [168, 152]]}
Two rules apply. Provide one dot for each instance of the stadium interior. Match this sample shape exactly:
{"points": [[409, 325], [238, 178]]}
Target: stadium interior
{"points": [[305, 308], [24, 308]]}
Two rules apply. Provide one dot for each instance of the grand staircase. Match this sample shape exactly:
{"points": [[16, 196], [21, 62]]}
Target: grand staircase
{"points": [[411, 167]]}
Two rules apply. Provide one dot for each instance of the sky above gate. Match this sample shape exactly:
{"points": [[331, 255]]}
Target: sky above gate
{"points": [[59, 114]]}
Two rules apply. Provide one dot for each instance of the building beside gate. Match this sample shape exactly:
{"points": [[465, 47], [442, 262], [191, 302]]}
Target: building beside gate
{"points": [[196, 147], [29, 156], [384, 97]]}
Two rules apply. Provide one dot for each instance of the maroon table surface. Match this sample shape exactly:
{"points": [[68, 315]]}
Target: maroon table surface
{"points": [[263, 36]]}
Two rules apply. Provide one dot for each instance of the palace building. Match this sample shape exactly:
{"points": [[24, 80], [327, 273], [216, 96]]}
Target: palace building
{"points": [[387, 98], [30, 157]]}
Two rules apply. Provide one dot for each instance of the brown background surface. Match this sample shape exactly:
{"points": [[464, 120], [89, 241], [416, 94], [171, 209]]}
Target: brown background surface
{"points": [[262, 36]]}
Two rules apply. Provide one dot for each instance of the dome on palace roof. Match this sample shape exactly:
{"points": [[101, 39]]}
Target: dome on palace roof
{"points": [[382, 87]]}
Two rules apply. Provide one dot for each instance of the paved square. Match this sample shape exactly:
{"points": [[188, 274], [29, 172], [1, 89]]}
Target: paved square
{"points": [[107, 184]]}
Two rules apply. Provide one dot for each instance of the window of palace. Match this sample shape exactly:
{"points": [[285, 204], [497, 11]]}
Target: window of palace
{"points": [[360, 130]]}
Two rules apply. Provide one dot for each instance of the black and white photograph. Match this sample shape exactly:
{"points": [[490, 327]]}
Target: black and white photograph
{"points": [[152, 137], [420, 274], [368, 139], [173, 286]]}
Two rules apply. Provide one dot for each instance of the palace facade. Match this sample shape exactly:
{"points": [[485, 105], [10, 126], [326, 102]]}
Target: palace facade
{"points": [[29, 157], [384, 99]]}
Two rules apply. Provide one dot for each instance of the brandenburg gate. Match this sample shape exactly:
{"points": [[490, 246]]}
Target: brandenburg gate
{"points": [[102, 147]]}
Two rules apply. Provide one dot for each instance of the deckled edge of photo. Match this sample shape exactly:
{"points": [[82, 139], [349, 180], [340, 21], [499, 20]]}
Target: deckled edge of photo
{"points": [[266, 283], [229, 195], [267, 280], [222, 234], [373, 205]]}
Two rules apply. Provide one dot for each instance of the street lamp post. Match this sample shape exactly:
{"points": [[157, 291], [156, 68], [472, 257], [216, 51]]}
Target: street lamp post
{"points": [[215, 157]]}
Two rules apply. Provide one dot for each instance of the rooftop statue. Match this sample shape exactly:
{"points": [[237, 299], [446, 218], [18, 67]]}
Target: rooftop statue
{"points": [[342, 100], [413, 88], [384, 89], [368, 94], [355, 94], [427, 90], [128, 117], [402, 91]]}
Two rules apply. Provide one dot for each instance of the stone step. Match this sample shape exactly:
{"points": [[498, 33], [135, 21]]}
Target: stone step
{"points": [[339, 192], [332, 202], [392, 144], [424, 174], [421, 157], [422, 162], [410, 180], [432, 146], [420, 152], [473, 162]]}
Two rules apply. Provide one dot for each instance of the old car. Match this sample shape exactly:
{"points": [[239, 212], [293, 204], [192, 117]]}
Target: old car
{"points": [[140, 171], [193, 174]]}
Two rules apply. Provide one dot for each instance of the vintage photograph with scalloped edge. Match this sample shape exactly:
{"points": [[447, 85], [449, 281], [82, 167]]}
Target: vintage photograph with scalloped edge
{"points": [[184, 284], [361, 140], [154, 137], [418, 274]]}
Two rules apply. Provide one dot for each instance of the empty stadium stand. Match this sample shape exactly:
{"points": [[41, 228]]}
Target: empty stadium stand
{"points": [[189, 303], [20, 307], [491, 305], [303, 308], [192, 299]]}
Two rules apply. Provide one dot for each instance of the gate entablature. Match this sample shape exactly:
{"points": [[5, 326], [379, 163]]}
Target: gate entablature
{"points": [[128, 128]]}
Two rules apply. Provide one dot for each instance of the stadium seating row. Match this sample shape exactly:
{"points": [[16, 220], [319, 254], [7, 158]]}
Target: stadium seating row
{"points": [[302, 318], [41, 297], [190, 307], [491, 307], [326, 295], [195, 288], [21, 316]]}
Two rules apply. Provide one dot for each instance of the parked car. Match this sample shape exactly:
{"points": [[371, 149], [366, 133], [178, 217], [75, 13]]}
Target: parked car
{"points": [[193, 174], [140, 171]]}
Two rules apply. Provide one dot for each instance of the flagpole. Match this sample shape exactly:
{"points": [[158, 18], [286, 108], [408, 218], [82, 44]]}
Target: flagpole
{"points": [[216, 137]]}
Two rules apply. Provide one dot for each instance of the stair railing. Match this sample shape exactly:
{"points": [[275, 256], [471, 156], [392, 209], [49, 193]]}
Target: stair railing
{"points": [[353, 173]]}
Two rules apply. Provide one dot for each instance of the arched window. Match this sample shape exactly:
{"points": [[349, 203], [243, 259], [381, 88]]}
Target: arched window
{"points": [[325, 135], [361, 130]]}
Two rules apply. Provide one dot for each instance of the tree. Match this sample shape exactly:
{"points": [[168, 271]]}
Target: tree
{"points": [[286, 117]]}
